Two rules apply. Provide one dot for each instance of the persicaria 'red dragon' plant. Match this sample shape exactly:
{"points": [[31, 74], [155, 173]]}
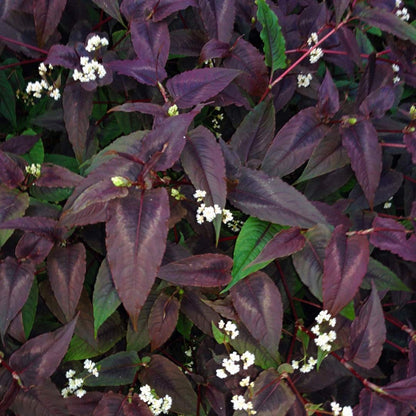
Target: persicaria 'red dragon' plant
{"points": [[207, 207]]}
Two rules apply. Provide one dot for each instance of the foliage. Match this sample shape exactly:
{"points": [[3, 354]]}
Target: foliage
{"points": [[213, 199]]}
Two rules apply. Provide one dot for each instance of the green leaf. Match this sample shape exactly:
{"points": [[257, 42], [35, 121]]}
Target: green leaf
{"points": [[50, 194], [254, 235], [274, 43], [37, 152], [218, 335], [348, 311], [29, 309], [62, 160]]}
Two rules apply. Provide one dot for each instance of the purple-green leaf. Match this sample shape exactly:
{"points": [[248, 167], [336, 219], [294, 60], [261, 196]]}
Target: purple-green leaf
{"points": [[111, 7], [294, 143], [404, 390], [193, 87], [62, 55], [136, 240], [10, 173], [203, 270], [19, 145], [361, 142], [115, 404], [345, 265], [141, 70], [258, 304], [328, 103], [66, 270], [368, 333], [57, 176], [373, 404]]}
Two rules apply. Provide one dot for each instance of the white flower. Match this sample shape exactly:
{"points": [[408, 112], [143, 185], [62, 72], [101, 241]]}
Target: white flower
{"points": [[230, 366], [347, 411], [313, 39], [315, 55], [235, 357], [248, 359], [306, 368], [396, 79], [239, 402], [336, 408], [227, 216], [316, 329], [231, 330], [332, 322], [395, 68], [70, 373], [199, 195], [403, 14], [312, 361], [295, 364], [221, 373], [90, 69], [398, 3], [42, 69], [75, 383], [80, 392], [304, 80], [324, 315], [245, 382], [55, 94], [95, 42], [65, 392]]}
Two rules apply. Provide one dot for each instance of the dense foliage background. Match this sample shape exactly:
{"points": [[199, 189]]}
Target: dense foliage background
{"points": [[188, 186]]}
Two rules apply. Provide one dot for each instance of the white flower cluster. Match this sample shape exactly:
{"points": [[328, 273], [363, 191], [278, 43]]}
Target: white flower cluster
{"points": [[156, 405], [33, 169], [396, 69], [36, 88], [307, 366], [75, 384], [209, 213], [239, 403], [90, 70], [95, 42], [337, 410], [304, 80], [229, 328], [235, 225], [216, 122], [324, 339], [402, 12], [317, 53]]}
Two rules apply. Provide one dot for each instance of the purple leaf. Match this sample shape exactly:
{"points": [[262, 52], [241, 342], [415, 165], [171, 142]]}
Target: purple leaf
{"points": [[38, 358], [283, 244], [15, 283], [403, 390], [334, 213], [66, 270], [62, 55], [146, 108], [345, 265], [271, 396], [294, 143], [271, 199], [390, 235], [361, 142], [115, 404], [19, 145], [138, 224], [42, 226], [378, 102], [164, 8], [373, 404], [409, 139], [187, 42], [141, 70], [246, 58], [47, 15], [328, 103], [57, 176], [77, 105], [193, 87], [214, 49], [166, 378], [162, 319], [111, 7], [340, 6], [255, 133], [258, 304], [218, 18], [151, 42], [10, 173], [203, 270], [368, 333], [34, 248]]}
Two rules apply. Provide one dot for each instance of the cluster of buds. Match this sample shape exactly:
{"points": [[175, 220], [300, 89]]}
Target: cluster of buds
{"points": [[216, 122], [90, 70], [173, 110], [157, 405], [396, 70], [402, 12], [75, 384], [33, 169], [304, 80], [317, 53], [209, 213], [36, 88], [95, 42], [337, 410]]}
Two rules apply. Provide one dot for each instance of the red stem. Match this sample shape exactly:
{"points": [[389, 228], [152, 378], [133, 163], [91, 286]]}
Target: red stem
{"points": [[396, 145], [16, 42]]}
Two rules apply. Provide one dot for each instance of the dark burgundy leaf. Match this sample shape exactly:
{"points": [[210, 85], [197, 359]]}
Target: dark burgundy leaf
{"points": [[334, 213], [38, 358], [283, 92], [34, 248], [85, 406], [340, 6], [198, 312], [19, 145], [166, 378], [214, 49], [203, 270], [246, 58], [378, 102], [271, 395], [146, 108], [164, 8], [77, 103], [345, 265], [409, 139], [57, 176], [283, 244], [10, 173], [111, 7], [368, 333], [193, 87], [258, 304], [39, 225], [62, 55], [15, 283], [186, 42], [361, 142], [47, 14], [66, 270], [390, 235], [216, 399], [403, 390], [141, 70], [271, 199], [255, 133], [138, 224], [162, 319], [309, 263], [373, 404], [114, 404], [294, 143], [218, 18], [328, 103], [151, 42]]}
